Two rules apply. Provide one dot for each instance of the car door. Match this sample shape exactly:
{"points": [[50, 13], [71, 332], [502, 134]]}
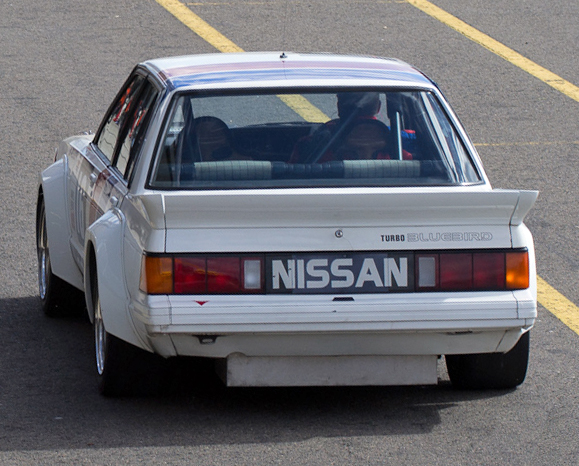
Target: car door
{"points": [[100, 175]]}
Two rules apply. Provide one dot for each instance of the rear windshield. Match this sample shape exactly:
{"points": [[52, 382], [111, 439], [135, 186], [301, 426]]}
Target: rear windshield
{"points": [[325, 139]]}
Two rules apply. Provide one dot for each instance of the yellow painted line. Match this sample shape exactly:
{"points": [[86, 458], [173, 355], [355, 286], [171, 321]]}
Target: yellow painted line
{"points": [[548, 77], [528, 143], [283, 2], [304, 108], [198, 26], [558, 305], [209, 34], [547, 296]]}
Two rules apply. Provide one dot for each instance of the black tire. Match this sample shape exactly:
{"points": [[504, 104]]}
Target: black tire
{"points": [[57, 297], [491, 370], [122, 368]]}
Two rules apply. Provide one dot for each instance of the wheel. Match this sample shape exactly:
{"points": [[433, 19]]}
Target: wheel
{"points": [[57, 297], [122, 368], [110, 358], [490, 370]]}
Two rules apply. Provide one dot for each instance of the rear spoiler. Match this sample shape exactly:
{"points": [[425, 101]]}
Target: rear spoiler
{"points": [[526, 201]]}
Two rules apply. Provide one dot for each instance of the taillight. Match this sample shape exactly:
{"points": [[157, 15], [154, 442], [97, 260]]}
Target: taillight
{"points": [[481, 271], [202, 274], [245, 274]]}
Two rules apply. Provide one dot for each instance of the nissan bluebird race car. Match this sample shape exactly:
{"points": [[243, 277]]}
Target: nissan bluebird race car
{"points": [[297, 219]]}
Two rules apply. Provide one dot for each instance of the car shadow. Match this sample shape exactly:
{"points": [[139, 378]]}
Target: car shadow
{"points": [[49, 399]]}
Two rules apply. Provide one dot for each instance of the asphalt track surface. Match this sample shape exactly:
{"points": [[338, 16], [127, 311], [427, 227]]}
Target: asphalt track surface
{"points": [[61, 62]]}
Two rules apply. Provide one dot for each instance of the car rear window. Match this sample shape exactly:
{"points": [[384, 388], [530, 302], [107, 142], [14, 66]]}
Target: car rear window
{"points": [[325, 139]]}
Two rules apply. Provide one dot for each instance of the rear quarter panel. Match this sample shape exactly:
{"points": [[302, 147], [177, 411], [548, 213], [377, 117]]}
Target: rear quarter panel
{"points": [[53, 185]]}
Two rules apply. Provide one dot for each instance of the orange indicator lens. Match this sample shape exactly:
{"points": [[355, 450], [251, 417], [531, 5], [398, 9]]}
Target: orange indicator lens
{"points": [[157, 275], [517, 270]]}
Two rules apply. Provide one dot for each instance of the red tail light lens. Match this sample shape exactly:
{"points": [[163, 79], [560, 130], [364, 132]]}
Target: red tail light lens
{"points": [[489, 270], [190, 275], [455, 271], [224, 275]]}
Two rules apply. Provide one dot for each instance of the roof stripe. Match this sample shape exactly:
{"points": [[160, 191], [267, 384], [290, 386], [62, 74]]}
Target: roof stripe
{"points": [[271, 71]]}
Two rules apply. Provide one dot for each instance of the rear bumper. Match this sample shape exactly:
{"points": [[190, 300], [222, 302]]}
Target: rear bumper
{"points": [[395, 324]]}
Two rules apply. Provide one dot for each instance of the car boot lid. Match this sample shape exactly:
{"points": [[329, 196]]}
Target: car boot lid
{"points": [[338, 219]]}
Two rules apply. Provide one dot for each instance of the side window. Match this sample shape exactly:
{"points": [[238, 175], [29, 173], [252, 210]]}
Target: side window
{"points": [[133, 133], [111, 130]]}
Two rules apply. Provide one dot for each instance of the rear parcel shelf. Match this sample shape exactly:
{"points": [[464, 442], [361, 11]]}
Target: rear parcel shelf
{"points": [[347, 169]]}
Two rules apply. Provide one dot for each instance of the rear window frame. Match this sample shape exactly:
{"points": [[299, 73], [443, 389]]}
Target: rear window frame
{"points": [[298, 90]]}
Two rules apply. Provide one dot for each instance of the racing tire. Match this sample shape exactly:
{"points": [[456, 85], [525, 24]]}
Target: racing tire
{"points": [[499, 371], [57, 297], [122, 369]]}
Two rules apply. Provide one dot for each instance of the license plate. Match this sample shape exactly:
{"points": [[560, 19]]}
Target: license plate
{"points": [[340, 273]]}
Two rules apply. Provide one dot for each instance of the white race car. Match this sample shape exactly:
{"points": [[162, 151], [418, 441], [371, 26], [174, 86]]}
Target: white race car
{"points": [[299, 219]]}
